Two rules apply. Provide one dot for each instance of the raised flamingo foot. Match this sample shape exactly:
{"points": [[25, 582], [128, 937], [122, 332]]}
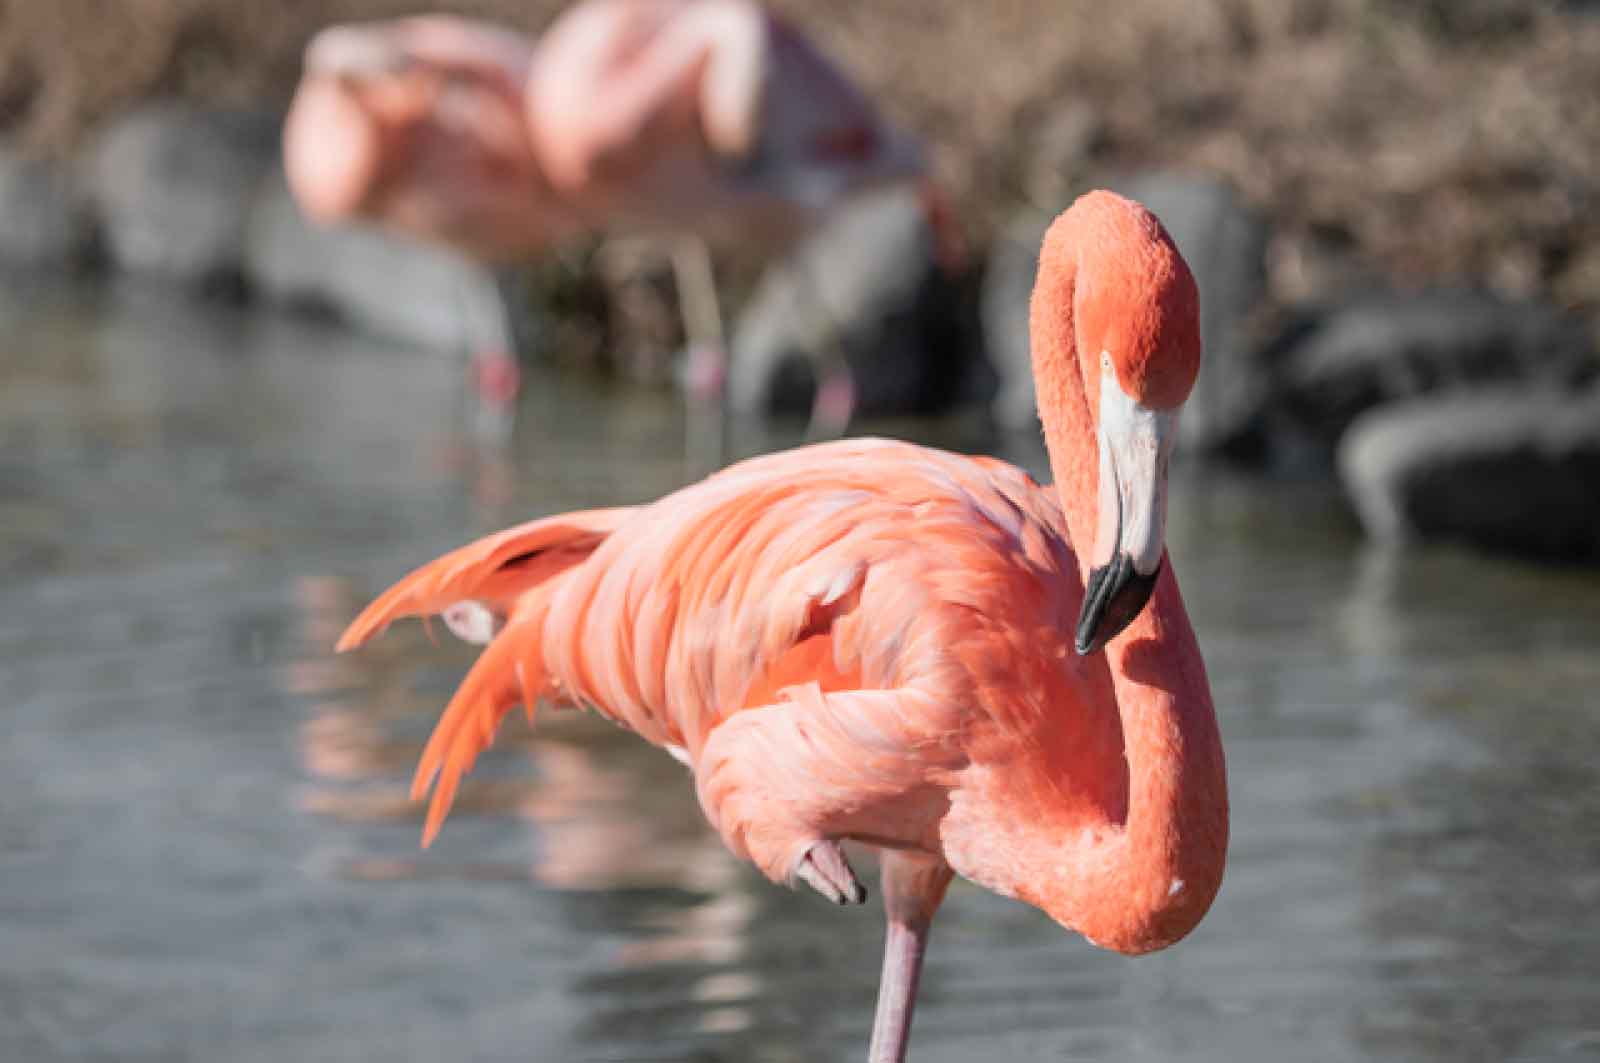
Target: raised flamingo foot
{"points": [[473, 621], [825, 870]]}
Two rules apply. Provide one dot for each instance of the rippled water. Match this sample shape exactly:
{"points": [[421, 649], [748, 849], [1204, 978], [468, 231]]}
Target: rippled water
{"points": [[206, 851]]}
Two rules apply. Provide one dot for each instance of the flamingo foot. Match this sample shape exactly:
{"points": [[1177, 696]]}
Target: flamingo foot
{"points": [[497, 377], [472, 621], [496, 383], [825, 870]]}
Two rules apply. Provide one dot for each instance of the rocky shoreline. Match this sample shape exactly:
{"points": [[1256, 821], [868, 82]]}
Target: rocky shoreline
{"points": [[1449, 414]]}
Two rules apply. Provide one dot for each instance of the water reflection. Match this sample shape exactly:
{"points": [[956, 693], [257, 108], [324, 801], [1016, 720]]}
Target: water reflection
{"points": [[209, 851], [606, 809], [1488, 857], [605, 812]]}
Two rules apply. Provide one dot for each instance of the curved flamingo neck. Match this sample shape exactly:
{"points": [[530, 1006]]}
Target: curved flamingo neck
{"points": [[1061, 383], [1141, 879], [1144, 882]]}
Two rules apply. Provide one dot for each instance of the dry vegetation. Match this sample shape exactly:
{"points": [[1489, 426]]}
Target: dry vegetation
{"points": [[1434, 140]]}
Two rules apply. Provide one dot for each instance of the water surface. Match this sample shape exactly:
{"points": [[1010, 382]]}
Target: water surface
{"points": [[206, 850]]}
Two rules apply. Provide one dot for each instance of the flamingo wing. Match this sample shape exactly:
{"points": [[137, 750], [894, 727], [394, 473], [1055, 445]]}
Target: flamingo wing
{"points": [[494, 570], [832, 581]]}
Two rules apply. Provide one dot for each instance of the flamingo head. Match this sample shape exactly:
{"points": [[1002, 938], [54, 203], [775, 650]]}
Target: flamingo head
{"points": [[1137, 321]]}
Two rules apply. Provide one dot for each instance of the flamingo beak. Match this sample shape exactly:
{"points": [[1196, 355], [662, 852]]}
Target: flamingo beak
{"points": [[1130, 540]]}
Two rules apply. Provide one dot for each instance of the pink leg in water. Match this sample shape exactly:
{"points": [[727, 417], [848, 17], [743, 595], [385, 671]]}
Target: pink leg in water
{"points": [[913, 886], [496, 383], [835, 403]]}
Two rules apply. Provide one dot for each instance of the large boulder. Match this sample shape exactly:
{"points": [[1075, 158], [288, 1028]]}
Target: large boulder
{"points": [[383, 284], [867, 285], [1503, 469], [173, 183], [1385, 347], [1003, 311], [1224, 243], [44, 219]]}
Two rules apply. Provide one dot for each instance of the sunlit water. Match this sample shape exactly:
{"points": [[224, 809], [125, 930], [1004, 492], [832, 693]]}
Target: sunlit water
{"points": [[206, 850]]}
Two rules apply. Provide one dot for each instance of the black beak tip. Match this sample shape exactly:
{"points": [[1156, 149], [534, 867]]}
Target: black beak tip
{"points": [[1114, 597]]}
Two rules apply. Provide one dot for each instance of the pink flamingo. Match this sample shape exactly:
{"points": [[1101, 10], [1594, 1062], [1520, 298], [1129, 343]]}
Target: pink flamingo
{"points": [[710, 119], [417, 125], [875, 641]]}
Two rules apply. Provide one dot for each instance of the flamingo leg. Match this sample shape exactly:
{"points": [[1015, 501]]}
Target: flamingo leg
{"points": [[700, 310], [707, 390], [913, 886], [835, 400], [825, 870], [495, 376]]}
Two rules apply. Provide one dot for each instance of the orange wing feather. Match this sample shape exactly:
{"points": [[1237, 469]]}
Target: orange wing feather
{"points": [[821, 569], [504, 571], [494, 570], [509, 671]]}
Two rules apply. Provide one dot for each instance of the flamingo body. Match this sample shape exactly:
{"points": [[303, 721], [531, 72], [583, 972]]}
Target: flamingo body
{"points": [[418, 125], [712, 117], [873, 640]]}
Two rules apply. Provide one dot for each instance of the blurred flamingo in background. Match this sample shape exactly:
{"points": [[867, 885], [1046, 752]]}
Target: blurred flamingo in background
{"points": [[417, 125], [692, 120], [875, 641]]}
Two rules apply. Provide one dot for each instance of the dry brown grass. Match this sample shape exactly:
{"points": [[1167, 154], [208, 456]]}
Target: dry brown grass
{"points": [[1435, 140]]}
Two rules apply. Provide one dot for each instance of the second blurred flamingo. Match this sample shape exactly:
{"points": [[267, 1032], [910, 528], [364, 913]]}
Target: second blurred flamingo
{"points": [[696, 120]]}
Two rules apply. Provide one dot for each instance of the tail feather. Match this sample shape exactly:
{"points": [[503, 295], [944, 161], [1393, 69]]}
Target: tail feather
{"points": [[502, 571], [509, 671], [494, 570]]}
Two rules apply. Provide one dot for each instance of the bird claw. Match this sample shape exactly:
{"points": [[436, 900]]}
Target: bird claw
{"points": [[825, 870]]}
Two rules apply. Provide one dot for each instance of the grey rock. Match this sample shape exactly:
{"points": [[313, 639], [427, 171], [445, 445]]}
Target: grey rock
{"points": [[1059, 149], [1503, 469], [1224, 243], [173, 182], [383, 284], [44, 220], [1003, 311], [1385, 347], [866, 285]]}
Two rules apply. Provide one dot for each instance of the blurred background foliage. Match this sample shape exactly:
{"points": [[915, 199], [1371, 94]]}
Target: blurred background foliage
{"points": [[1429, 142]]}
